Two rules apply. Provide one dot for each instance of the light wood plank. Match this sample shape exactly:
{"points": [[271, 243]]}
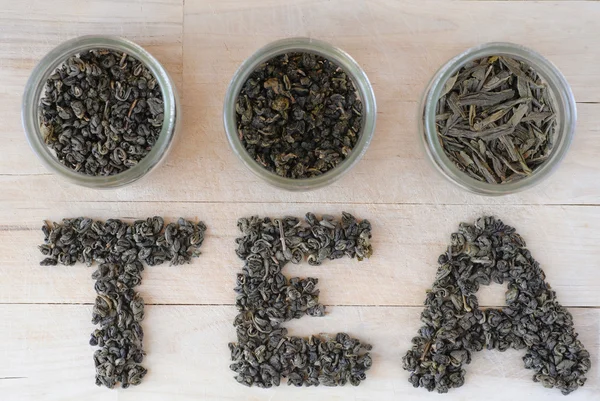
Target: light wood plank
{"points": [[188, 358], [407, 240], [400, 45]]}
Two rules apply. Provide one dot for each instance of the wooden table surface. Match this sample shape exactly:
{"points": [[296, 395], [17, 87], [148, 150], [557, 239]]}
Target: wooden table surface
{"points": [[45, 313]]}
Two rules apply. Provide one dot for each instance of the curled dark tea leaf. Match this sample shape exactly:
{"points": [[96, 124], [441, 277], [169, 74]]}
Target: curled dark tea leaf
{"points": [[299, 115], [120, 249], [454, 325], [101, 112], [264, 353]]}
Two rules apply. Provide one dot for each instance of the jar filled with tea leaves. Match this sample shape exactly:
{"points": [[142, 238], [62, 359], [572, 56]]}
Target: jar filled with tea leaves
{"points": [[498, 118], [103, 106], [299, 113]]}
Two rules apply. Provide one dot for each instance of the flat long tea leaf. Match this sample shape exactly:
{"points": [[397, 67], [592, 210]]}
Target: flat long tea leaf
{"points": [[496, 119], [486, 135], [485, 99]]}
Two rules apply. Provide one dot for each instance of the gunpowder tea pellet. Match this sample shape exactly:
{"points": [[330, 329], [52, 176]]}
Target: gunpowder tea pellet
{"points": [[299, 115], [264, 352], [454, 326], [120, 249], [101, 112], [496, 120]]}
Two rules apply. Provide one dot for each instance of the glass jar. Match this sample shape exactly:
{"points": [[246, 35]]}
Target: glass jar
{"points": [[566, 114], [34, 91], [323, 49]]}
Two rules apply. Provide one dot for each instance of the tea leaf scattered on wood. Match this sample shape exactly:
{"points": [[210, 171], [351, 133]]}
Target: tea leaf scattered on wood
{"points": [[264, 353], [299, 115], [454, 326], [120, 249], [495, 120]]}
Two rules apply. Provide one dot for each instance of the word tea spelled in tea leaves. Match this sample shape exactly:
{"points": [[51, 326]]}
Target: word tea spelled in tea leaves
{"points": [[101, 112], [496, 120], [120, 249], [299, 115], [455, 326], [264, 353]]}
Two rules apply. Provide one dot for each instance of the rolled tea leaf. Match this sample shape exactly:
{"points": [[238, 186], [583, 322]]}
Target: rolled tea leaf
{"points": [[264, 354], [101, 112], [299, 115], [533, 320], [120, 249]]}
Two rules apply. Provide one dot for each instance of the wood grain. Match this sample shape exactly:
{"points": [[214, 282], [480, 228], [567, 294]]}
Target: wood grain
{"points": [[188, 358], [46, 312]]}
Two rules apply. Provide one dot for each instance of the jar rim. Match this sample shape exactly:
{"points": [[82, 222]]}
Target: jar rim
{"points": [[34, 89], [559, 89], [323, 49]]}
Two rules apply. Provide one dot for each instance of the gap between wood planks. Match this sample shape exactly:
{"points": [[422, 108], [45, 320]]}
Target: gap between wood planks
{"points": [[530, 1], [234, 202], [4, 228], [210, 305], [24, 174]]}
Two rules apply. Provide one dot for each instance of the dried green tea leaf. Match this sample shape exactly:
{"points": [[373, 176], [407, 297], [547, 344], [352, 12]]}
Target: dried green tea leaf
{"points": [[449, 84], [494, 81], [455, 326], [299, 115], [120, 249], [515, 67], [487, 135], [101, 112], [264, 353], [484, 170], [537, 118], [454, 106], [478, 126], [485, 99], [504, 108], [518, 115]]}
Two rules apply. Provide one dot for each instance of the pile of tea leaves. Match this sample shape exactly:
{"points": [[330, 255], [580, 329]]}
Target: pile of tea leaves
{"points": [[120, 249], [454, 326], [265, 353], [496, 119], [101, 112], [299, 115]]}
